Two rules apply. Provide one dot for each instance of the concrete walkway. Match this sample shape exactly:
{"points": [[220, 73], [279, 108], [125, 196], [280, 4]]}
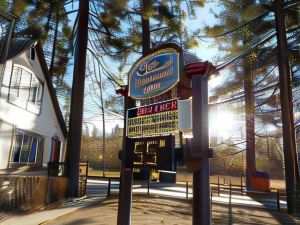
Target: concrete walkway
{"points": [[42, 217], [170, 207]]}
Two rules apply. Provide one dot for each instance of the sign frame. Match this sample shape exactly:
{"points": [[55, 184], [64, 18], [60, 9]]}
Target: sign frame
{"points": [[163, 153], [156, 52], [162, 109]]}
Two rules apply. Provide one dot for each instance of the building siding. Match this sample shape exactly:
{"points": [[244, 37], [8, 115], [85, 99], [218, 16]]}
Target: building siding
{"points": [[44, 124]]}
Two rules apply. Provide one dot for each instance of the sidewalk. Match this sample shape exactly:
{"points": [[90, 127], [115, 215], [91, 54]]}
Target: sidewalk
{"points": [[153, 210], [42, 217], [169, 208]]}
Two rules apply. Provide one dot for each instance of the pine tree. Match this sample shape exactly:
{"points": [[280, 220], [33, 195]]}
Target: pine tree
{"points": [[124, 28], [249, 73], [95, 132], [46, 21]]}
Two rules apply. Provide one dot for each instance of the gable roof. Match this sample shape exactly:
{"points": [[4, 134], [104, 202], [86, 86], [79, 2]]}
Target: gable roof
{"points": [[19, 46], [60, 118]]}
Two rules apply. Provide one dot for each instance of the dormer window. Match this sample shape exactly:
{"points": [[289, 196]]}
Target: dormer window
{"points": [[25, 90]]}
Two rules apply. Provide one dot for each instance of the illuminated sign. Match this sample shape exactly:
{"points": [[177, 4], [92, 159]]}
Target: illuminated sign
{"points": [[153, 152], [154, 74], [150, 120]]}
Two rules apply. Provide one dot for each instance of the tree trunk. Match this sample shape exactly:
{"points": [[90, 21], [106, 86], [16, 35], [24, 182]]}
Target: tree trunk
{"points": [[249, 116], [54, 47], [294, 15], [76, 112], [285, 101], [100, 84], [255, 180], [145, 27], [47, 27]]}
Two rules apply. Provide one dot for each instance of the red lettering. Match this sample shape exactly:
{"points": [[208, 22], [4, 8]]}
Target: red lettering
{"points": [[162, 107], [139, 112], [174, 105], [168, 106], [149, 111]]}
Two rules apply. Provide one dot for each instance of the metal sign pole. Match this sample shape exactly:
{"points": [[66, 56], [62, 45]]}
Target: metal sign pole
{"points": [[199, 153], [125, 189], [157, 78], [200, 144]]}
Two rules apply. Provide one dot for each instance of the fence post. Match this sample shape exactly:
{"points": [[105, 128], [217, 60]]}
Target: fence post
{"points": [[278, 200], [108, 188], [187, 189], [242, 185], [230, 191], [148, 186], [86, 175], [218, 185], [211, 204]]}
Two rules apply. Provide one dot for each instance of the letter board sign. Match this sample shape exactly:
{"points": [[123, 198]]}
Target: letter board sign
{"points": [[152, 120]]}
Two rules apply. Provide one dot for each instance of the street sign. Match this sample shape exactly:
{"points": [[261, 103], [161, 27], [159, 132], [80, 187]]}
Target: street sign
{"points": [[154, 74]]}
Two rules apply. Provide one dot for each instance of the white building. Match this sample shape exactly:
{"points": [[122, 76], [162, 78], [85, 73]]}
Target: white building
{"points": [[32, 129]]}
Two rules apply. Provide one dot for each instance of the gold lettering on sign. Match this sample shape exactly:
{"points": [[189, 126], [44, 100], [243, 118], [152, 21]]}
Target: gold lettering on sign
{"points": [[154, 77], [148, 125], [150, 67]]}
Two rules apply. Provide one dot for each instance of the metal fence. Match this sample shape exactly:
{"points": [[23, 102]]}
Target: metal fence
{"points": [[25, 194]]}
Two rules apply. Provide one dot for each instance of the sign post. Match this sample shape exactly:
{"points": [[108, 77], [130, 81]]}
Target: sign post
{"points": [[148, 139], [156, 82], [125, 188], [199, 153]]}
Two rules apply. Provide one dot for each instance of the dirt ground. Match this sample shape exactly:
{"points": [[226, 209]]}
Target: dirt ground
{"points": [[155, 211]]}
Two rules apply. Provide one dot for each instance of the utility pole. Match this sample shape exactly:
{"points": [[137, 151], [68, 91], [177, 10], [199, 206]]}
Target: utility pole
{"points": [[76, 112], [285, 85]]}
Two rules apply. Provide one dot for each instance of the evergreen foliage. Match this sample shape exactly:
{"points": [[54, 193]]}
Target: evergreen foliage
{"points": [[255, 75], [45, 21], [123, 28]]}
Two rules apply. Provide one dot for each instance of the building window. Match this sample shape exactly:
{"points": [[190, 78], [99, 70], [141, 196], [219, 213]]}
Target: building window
{"points": [[28, 148], [25, 90]]}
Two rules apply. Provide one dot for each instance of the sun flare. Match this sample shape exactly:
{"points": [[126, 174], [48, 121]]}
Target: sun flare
{"points": [[221, 124]]}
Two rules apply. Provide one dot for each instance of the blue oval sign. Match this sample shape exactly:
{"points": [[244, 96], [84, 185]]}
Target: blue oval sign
{"points": [[154, 74]]}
